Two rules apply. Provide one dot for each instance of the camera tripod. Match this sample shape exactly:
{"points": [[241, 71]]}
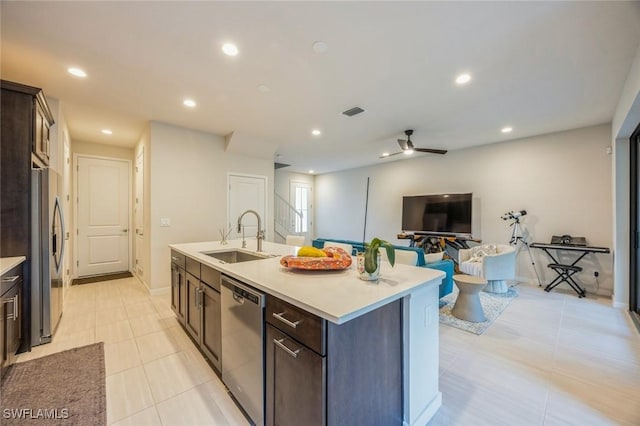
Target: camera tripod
{"points": [[518, 240]]}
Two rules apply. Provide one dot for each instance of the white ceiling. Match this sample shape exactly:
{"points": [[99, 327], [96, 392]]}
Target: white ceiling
{"points": [[537, 66]]}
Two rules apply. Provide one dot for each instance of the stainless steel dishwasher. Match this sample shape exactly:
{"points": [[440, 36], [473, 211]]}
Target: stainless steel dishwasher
{"points": [[242, 345]]}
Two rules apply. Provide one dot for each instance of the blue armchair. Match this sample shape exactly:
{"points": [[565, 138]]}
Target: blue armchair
{"points": [[445, 265]]}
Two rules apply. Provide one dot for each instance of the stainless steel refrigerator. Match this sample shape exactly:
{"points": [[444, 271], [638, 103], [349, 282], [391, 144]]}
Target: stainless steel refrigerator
{"points": [[47, 224]]}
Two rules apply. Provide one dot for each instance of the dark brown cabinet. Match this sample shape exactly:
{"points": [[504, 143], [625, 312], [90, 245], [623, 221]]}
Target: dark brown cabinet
{"points": [[211, 338], [295, 381], [11, 310], [193, 316], [178, 286], [314, 367], [26, 121], [40, 145], [195, 299]]}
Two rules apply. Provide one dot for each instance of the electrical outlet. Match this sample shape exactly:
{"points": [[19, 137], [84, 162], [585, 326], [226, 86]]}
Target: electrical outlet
{"points": [[165, 221]]}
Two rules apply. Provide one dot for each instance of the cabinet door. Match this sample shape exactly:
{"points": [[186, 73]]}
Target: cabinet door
{"points": [[182, 295], [193, 314], [14, 318], [211, 337], [4, 359], [175, 291], [295, 385]]}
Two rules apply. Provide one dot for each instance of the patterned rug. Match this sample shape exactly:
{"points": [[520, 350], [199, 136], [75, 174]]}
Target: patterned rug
{"points": [[492, 304]]}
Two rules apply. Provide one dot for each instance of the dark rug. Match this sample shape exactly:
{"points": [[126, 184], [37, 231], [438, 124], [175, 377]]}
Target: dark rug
{"points": [[98, 278], [66, 388]]}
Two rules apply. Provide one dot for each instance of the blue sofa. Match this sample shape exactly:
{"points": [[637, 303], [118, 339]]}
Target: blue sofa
{"points": [[445, 265]]}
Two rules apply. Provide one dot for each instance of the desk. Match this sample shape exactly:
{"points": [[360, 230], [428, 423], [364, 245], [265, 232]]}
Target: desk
{"points": [[565, 271]]}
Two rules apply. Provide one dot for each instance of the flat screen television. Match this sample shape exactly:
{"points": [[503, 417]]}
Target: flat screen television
{"points": [[441, 214]]}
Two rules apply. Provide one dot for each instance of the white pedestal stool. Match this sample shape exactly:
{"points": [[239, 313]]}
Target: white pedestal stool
{"points": [[468, 306]]}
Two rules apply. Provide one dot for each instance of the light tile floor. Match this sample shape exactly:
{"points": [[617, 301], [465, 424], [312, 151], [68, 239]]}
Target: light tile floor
{"points": [[549, 359], [155, 374]]}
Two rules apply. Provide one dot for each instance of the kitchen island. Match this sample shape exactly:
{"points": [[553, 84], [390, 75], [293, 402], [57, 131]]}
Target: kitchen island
{"points": [[376, 343]]}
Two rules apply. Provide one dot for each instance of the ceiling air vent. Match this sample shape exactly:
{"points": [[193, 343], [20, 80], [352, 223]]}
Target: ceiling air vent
{"points": [[353, 111]]}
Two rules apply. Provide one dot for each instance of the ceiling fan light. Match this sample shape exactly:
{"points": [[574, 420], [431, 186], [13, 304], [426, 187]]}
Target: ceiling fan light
{"points": [[408, 151]]}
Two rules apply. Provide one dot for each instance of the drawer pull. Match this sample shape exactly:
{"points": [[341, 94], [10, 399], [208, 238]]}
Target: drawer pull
{"points": [[286, 349], [286, 321], [175, 259], [14, 314], [10, 279]]}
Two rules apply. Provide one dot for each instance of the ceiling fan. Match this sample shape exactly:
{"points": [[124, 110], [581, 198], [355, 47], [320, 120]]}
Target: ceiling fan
{"points": [[408, 148]]}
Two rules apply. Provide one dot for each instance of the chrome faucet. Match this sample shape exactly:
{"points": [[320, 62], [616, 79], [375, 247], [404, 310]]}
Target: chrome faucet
{"points": [[260, 235]]}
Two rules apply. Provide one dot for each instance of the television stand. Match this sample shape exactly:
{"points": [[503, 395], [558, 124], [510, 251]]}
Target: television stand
{"points": [[445, 242]]}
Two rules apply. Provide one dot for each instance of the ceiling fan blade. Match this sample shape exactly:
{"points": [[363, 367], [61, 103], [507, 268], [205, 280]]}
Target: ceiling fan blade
{"points": [[403, 144], [431, 151], [387, 156]]}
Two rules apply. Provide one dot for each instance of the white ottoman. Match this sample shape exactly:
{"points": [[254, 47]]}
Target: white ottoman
{"points": [[468, 306]]}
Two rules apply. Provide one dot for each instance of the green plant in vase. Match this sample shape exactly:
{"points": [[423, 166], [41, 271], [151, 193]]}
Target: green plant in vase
{"points": [[369, 268]]}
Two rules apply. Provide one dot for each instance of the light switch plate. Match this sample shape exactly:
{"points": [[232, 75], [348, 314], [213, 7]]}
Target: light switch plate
{"points": [[165, 221]]}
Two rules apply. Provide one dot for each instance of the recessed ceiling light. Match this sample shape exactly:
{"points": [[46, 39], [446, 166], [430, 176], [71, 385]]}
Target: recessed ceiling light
{"points": [[506, 129], [385, 154], [463, 78], [263, 88], [311, 171], [230, 49], [316, 132], [407, 152], [320, 46], [189, 103], [107, 131], [77, 72]]}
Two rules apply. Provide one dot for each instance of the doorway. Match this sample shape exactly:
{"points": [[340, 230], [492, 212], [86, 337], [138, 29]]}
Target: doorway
{"points": [[246, 192], [138, 211], [300, 197], [102, 215]]}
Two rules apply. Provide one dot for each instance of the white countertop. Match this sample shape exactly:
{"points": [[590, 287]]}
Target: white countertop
{"points": [[337, 296], [8, 263]]}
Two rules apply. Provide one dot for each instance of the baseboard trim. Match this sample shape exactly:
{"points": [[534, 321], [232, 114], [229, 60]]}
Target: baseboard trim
{"points": [[159, 291], [427, 414]]}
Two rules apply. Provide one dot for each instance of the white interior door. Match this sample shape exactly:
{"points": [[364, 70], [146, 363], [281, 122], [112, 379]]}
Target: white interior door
{"points": [[102, 216], [247, 193], [138, 210]]}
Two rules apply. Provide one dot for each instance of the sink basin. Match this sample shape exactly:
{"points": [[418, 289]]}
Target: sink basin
{"points": [[235, 256]]}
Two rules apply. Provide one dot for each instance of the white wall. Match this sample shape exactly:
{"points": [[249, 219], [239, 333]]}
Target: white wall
{"points": [[188, 185], [625, 120], [563, 180]]}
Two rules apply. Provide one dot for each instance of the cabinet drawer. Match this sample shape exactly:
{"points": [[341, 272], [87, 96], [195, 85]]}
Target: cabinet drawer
{"points": [[210, 276], [178, 258], [10, 278], [193, 267], [303, 326]]}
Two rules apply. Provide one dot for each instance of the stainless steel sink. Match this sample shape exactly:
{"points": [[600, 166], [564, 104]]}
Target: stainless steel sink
{"points": [[235, 256]]}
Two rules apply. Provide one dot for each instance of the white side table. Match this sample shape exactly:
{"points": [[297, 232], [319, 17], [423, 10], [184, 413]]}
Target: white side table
{"points": [[468, 306]]}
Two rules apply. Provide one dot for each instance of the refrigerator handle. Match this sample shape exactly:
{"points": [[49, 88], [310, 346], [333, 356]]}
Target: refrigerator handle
{"points": [[57, 209]]}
